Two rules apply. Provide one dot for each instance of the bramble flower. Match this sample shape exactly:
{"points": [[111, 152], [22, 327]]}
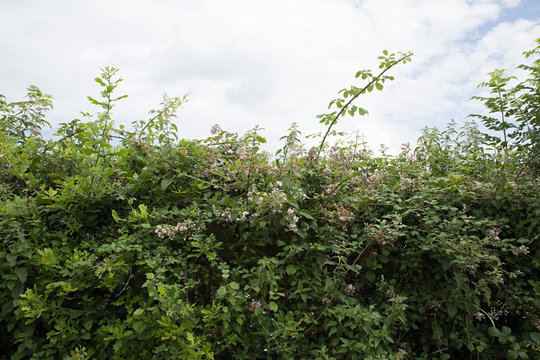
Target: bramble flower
{"points": [[137, 142], [161, 231], [331, 190], [254, 305], [407, 184], [227, 216], [291, 218], [243, 216], [520, 250], [479, 315], [493, 234], [433, 304], [171, 231], [216, 129], [312, 154], [349, 289], [325, 301]]}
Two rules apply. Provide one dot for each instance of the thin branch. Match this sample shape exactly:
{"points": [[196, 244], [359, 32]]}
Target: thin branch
{"points": [[344, 108]]}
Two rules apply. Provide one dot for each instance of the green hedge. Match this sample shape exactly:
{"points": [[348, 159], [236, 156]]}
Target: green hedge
{"points": [[153, 247]]}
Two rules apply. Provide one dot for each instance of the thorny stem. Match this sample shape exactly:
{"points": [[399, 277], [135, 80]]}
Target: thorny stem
{"points": [[249, 169], [502, 118], [346, 106]]}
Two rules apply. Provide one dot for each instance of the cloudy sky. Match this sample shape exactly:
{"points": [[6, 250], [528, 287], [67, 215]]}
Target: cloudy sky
{"points": [[269, 63]]}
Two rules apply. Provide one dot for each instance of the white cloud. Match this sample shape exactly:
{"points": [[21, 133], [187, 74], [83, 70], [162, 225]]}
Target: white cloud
{"points": [[511, 3], [259, 62]]}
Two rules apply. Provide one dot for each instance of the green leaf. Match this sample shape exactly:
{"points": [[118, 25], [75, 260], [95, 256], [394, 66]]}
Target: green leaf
{"points": [[506, 330], [451, 309], [331, 323], [115, 216], [21, 274], [370, 275], [138, 312], [11, 259], [234, 285], [362, 111], [379, 86], [291, 269], [273, 306], [305, 214], [221, 292], [511, 355], [139, 326], [493, 331], [165, 184]]}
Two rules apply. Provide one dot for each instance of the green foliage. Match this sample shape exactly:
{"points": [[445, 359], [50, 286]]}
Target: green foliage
{"points": [[518, 110], [24, 119], [157, 248]]}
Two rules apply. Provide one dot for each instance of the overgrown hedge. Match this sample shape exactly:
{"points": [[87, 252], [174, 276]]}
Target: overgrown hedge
{"points": [[152, 247]]}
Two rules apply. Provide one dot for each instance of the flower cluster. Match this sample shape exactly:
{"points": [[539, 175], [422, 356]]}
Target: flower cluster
{"points": [[433, 304], [493, 234], [292, 218], [407, 152], [254, 305], [326, 301], [385, 233], [340, 158], [274, 200], [216, 129], [171, 231], [312, 154], [243, 216], [331, 190], [226, 215], [349, 289], [344, 215], [479, 315], [520, 250], [339, 215], [407, 184], [498, 310]]}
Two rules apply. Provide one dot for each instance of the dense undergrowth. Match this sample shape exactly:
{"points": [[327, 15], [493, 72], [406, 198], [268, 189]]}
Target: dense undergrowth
{"points": [[120, 244]]}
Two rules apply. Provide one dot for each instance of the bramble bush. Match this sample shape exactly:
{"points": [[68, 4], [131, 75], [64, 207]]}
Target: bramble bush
{"points": [[120, 243]]}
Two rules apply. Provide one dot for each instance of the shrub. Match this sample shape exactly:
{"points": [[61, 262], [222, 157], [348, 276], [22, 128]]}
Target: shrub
{"points": [[154, 247]]}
